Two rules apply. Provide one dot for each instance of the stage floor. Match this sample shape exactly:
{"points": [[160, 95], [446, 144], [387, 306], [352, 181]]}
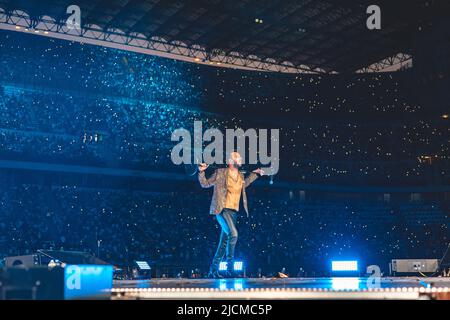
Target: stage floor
{"points": [[284, 288]]}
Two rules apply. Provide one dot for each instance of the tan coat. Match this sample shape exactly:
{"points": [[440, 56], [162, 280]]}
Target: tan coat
{"points": [[219, 180]]}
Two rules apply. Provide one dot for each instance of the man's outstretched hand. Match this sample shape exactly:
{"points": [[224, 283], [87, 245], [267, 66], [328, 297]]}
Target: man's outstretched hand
{"points": [[259, 171]]}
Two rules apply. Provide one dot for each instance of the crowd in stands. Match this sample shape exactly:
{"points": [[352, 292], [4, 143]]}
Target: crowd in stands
{"points": [[166, 228], [59, 127]]}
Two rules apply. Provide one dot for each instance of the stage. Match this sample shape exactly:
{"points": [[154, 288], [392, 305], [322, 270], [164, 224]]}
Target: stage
{"points": [[401, 288]]}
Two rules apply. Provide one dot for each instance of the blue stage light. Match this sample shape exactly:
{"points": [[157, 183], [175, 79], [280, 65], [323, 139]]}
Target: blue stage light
{"points": [[223, 266], [348, 265], [345, 283], [238, 266], [143, 270], [223, 284], [236, 284], [143, 265]]}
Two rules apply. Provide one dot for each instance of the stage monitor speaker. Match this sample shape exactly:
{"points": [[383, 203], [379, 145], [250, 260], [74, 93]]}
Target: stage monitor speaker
{"points": [[414, 265], [26, 261], [69, 257]]}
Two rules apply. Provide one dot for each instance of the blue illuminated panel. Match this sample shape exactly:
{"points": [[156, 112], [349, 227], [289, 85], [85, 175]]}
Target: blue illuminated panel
{"points": [[345, 283], [238, 266], [143, 265], [222, 266], [87, 281], [351, 265]]}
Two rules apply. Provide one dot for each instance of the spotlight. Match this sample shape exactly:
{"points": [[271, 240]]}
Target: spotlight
{"points": [[348, 265], [223, 284], [222, 266], [345, 284], [236, 284], [238, 266]]}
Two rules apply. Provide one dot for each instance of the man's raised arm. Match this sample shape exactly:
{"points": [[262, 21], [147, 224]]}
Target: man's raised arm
{"points": [[253, 176], [206, 182]]}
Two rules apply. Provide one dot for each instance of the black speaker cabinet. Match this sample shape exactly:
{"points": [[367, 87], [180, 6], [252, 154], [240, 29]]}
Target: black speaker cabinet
{"points": [[35, 283]]}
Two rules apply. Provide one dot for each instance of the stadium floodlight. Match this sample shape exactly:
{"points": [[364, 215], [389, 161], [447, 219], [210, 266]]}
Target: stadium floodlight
{"points": [[347, 265]]}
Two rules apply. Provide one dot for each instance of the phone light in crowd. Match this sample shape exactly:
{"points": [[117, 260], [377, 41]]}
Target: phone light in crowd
{"points": [[348, 265]]}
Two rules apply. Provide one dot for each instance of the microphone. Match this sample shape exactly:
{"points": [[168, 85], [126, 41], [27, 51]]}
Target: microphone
{"points": [[216, 166]]}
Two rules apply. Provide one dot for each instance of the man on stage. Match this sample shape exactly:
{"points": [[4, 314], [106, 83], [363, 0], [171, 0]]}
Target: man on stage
{"points": [[229, 184]]}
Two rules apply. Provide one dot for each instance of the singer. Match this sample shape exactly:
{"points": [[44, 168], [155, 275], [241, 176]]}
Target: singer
{"points": [[229, 184]]}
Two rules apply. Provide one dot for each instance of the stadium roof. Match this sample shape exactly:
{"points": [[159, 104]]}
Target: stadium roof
{"points": [[315, 35]]}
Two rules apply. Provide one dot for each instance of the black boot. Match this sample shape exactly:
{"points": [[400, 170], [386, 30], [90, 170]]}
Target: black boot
{"points": [[230, 270], [214, 274]]}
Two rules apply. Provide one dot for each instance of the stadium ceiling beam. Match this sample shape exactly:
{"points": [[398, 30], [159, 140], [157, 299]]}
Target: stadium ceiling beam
{"points": [[302, 8], [155, 46], [400, 61], [342, 35], [344, 50], [55, 29], [359, 37]]}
